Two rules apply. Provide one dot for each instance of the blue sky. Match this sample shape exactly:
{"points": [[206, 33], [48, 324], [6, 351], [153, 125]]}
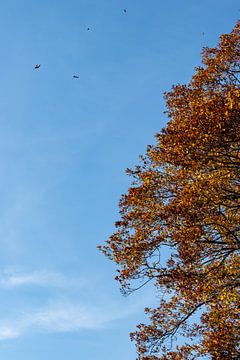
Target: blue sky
{"points": [[64, 146]]}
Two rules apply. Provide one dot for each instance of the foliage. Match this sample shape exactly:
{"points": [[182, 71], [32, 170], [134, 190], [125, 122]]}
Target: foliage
{"points": [[183, 205]]}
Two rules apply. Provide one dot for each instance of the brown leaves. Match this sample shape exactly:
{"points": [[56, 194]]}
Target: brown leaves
{"points": [[180, 220]]}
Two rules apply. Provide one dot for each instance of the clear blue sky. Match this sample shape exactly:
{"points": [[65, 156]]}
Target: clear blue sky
{"points": [[64, 145]]}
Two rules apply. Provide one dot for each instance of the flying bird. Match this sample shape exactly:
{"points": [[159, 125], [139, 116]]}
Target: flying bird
{"points": [[75, 77], [125, 10], [88, 29], [37, 66]]}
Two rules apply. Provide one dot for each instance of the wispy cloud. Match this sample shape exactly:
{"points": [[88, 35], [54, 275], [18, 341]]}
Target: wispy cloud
{"points": [[61, 317], [13, 279], [80, 305], [8, 332]]}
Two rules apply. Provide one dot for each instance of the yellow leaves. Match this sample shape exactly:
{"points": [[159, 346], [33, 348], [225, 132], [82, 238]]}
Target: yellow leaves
{"points": [[230, 102], [185, 208]]}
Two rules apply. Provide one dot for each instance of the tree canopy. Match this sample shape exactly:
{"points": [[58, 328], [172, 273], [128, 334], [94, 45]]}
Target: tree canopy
{"points": [[180, 219]]}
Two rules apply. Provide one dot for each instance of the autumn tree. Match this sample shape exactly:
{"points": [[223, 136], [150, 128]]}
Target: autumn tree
{"points": [[180, 220]]}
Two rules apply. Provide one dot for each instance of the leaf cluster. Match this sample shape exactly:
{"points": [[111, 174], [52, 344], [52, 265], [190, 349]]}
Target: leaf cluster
{"points": [[180, 220]]}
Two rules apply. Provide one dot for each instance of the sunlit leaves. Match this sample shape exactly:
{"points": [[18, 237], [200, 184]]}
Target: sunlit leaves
{"points": [[180, 220]]}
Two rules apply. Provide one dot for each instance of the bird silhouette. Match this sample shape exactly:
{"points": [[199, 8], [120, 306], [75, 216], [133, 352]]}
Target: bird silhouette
{"points": [[37, 66], [75, 77], [125, 10], [88, 29]]}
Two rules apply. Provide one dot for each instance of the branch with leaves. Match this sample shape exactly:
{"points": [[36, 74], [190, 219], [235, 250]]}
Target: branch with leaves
{"points": [[179, 225]]}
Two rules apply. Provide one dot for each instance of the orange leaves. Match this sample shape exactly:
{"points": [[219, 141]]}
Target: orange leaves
{"points": [[180, 220]]}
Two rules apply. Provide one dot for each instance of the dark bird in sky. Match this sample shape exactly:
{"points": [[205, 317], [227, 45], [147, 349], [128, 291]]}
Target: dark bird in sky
{"points": [[75, 77], [125, 10], [88, 29], [37, 66]]}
